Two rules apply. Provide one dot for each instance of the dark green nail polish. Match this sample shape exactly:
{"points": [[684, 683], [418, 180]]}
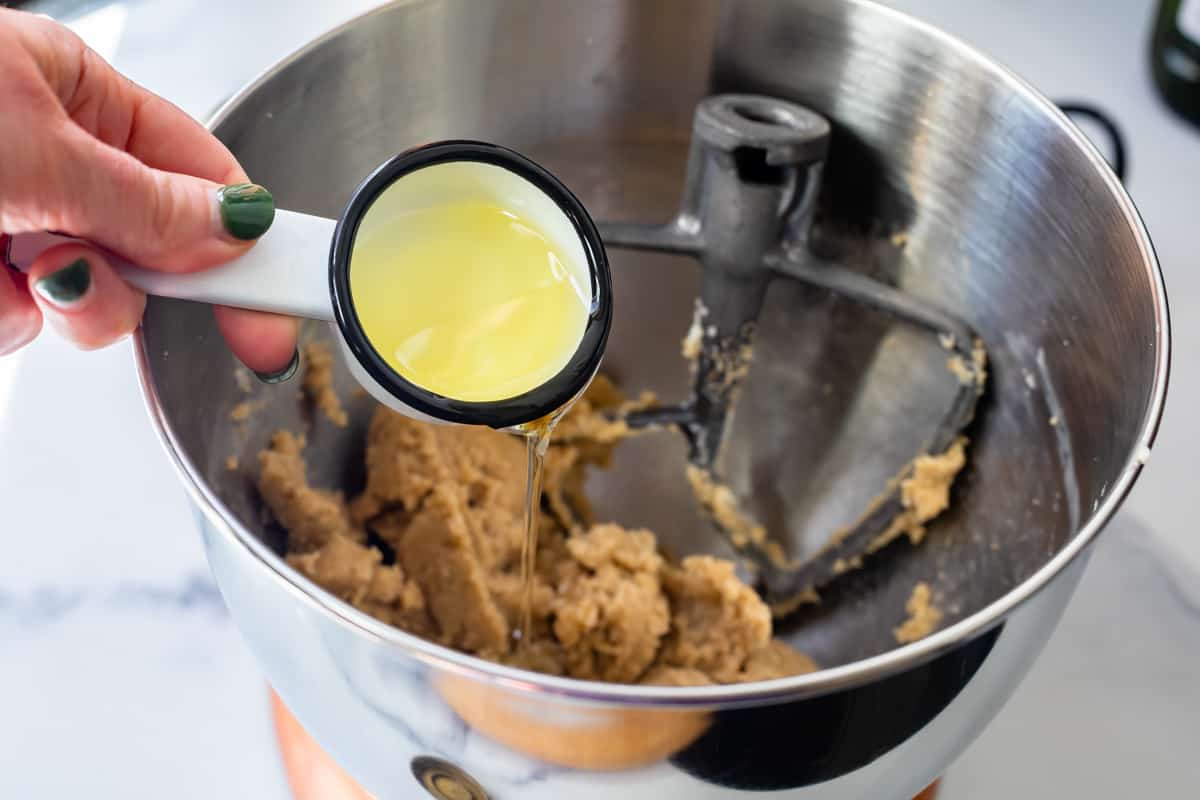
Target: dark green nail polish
{"points": [[283, 374], [65, 286], [247, 210]]}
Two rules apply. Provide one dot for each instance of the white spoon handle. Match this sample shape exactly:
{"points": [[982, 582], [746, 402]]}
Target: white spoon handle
{"points": [[287, 270]]}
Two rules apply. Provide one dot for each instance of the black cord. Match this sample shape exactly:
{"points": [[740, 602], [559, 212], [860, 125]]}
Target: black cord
{"points": [[1117, 159]]}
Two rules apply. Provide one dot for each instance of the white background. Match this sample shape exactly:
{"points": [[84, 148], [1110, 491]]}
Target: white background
{"points": [[121, 675]]}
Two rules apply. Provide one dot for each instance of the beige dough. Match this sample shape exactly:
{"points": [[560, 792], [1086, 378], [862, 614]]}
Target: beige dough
{"points": [[448, 501], [924, 493], [318, 383], [923, 615]]}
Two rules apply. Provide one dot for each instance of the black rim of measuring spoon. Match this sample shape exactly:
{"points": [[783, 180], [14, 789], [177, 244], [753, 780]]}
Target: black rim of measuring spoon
{"points": [[523, 408]]}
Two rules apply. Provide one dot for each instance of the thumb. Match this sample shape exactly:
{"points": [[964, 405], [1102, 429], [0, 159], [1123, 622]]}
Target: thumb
{"points": [[157, 219]]}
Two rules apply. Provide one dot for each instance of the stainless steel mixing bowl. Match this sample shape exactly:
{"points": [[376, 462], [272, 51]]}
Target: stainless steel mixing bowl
{"points": [[1012, 219]]}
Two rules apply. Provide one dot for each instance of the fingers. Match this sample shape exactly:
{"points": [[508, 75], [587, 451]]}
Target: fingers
{"points": [[115, 164], [129, 171], [122, 114], [20, 320], [116, 110], [82, 298], [157, 219], [163, 136], [266, 343], [77, 291]]}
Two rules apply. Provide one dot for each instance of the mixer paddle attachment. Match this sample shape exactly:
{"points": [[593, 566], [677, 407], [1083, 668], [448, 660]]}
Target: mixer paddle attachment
{"points": [[753, 174]]}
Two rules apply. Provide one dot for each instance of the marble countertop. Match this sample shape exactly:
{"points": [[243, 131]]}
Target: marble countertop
{"points": [[122, 676]]}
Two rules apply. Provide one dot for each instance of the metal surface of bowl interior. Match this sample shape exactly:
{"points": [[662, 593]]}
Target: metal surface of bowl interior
{"points": [[1011, 220]]}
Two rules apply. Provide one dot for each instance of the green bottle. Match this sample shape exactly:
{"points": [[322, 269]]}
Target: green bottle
{"points": [[1175, 56]]}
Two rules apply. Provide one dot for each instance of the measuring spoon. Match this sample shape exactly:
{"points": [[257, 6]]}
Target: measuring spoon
{"points": [[301, 267]]}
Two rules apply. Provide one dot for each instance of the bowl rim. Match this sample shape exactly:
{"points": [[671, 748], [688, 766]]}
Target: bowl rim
{"points": [[796, 687]]}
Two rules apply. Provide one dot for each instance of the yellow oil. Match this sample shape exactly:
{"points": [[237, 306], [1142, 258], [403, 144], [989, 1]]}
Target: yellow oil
{"points": [[537, 441], [467, 299]]}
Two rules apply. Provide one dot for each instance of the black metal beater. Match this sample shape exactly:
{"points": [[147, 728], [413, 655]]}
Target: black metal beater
{"points": [[752, 180]]}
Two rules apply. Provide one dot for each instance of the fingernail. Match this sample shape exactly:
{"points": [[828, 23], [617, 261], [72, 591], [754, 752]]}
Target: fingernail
{"points": [[65, 287], [283, 374], [247, 210]]}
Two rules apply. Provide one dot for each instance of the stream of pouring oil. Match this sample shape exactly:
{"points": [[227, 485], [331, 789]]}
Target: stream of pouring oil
{"points": [[537, 440]]}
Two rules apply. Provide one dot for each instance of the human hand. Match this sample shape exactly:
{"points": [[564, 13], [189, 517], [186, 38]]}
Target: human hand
{"points": [[88, 153]]}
